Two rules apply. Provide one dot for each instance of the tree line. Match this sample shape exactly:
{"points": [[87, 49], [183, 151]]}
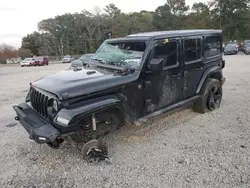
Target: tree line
{"points": [[8, 52], [83, 32]]}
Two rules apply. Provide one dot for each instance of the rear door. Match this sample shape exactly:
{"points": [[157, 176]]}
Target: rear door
{"points": [[193, 64]]}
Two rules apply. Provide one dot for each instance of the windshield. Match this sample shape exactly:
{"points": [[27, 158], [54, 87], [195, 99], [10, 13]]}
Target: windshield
{"points": [[67, 56], [231, 46], [39, 59], [123, 54], [86, 56], [28, 59]]}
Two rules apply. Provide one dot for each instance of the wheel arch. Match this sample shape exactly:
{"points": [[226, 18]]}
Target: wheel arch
{"points": [[97, 105], [212, 72]]}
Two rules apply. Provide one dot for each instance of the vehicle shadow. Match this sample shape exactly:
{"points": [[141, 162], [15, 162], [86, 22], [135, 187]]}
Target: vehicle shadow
{"points": [[70, 153]]}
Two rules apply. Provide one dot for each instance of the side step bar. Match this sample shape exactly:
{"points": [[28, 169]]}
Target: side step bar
{"points": [[167, 109]]}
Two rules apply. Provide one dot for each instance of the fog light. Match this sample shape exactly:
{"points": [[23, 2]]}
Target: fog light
{"points": [[62, 120], [42, 138]]}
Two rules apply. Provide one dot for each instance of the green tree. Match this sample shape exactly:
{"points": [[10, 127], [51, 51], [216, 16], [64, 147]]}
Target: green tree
{"points": [[32, 42], [199, 17], [83, 32], [230, 16]]}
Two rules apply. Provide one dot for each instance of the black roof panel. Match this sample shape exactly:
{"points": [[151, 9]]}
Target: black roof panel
{"points": [[175, 33], [129, 39]]}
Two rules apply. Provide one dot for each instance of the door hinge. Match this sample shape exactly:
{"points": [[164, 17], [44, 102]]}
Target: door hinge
{"points": [[147, 83]]}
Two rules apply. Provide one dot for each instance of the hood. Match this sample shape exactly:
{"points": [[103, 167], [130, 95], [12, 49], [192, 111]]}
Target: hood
{"points": [[84, 81]]}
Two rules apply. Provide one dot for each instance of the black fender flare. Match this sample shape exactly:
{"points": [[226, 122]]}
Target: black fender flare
{"points": [[207, 74], [76, 113]]}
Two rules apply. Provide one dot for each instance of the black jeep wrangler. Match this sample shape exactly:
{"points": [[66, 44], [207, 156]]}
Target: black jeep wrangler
{"points": [[128, 79]]}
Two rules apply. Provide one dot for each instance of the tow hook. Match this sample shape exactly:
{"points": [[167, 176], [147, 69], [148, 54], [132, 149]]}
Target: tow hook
{"points": [[56, 144], [17, 118]]}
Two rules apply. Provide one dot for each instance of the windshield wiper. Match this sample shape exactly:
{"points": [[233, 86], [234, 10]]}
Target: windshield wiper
{"points": [[113, 67], [100, 60]]}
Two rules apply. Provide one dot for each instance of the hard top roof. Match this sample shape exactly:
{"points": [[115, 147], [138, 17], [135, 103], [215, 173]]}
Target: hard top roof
{"points": [[176, 33], [162, 34]]}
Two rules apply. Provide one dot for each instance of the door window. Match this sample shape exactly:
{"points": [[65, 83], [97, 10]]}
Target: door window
{"points": [[214, 46], [192, 49], [168, 51]]}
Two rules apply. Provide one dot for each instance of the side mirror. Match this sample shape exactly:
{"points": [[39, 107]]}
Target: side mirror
{"points": [[156, 66]]}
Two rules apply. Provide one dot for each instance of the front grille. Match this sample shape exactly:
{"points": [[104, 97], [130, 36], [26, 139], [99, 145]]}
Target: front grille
{"points": [[39, 102]]}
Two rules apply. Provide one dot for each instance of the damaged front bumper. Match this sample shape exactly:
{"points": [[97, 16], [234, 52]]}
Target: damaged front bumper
{"points": [[38, 129]]}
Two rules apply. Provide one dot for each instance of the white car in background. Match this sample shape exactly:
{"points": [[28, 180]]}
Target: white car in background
{"points": [[67, 59], [27, 62]]}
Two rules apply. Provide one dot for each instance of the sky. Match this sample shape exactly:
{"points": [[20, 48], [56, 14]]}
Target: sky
{"points": [[20, 17]]}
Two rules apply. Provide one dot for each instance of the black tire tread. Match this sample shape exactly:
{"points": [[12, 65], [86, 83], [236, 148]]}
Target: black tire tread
{"points": [[200, 106]]}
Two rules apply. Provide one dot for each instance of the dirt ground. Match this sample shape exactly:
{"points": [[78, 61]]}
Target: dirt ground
{"points": [[184, 149]]}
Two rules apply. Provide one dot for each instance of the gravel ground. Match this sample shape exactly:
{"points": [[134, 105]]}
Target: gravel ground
{"points": [[184, 149]]}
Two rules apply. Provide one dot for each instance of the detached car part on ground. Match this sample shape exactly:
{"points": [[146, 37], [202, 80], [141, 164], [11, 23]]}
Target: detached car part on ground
{"points": [[129, 79]]}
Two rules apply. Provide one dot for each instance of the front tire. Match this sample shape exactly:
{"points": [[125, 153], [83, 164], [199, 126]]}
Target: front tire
{"points": [[211, 97]]}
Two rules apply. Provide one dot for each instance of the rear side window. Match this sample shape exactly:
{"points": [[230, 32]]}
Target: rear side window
{"points": [[192, 49], [213, 46], [168, 52]]}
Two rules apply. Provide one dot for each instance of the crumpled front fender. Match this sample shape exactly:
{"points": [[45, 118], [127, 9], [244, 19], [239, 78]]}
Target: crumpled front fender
{"points": [[75, 114]]}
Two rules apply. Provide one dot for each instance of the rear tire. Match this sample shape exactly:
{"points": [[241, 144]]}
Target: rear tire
{"points": [[211, 97]]}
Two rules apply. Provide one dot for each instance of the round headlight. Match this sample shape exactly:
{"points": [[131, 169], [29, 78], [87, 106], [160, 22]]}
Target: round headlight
{"points": [[55, 105]]}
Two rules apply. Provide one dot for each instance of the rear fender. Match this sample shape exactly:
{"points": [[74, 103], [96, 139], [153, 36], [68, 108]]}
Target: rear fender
{"points": [[212, 72], [75, 114]]}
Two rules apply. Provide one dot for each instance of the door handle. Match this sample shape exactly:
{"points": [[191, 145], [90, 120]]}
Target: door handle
{"points": [[176, 75], [200, 68]]}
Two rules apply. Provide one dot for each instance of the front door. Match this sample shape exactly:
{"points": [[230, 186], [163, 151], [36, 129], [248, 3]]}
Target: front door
{"points": [[166, 89]]}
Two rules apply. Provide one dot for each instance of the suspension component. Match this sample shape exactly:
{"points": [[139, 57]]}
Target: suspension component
{"points": [[93, 122], [87, 132]]}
